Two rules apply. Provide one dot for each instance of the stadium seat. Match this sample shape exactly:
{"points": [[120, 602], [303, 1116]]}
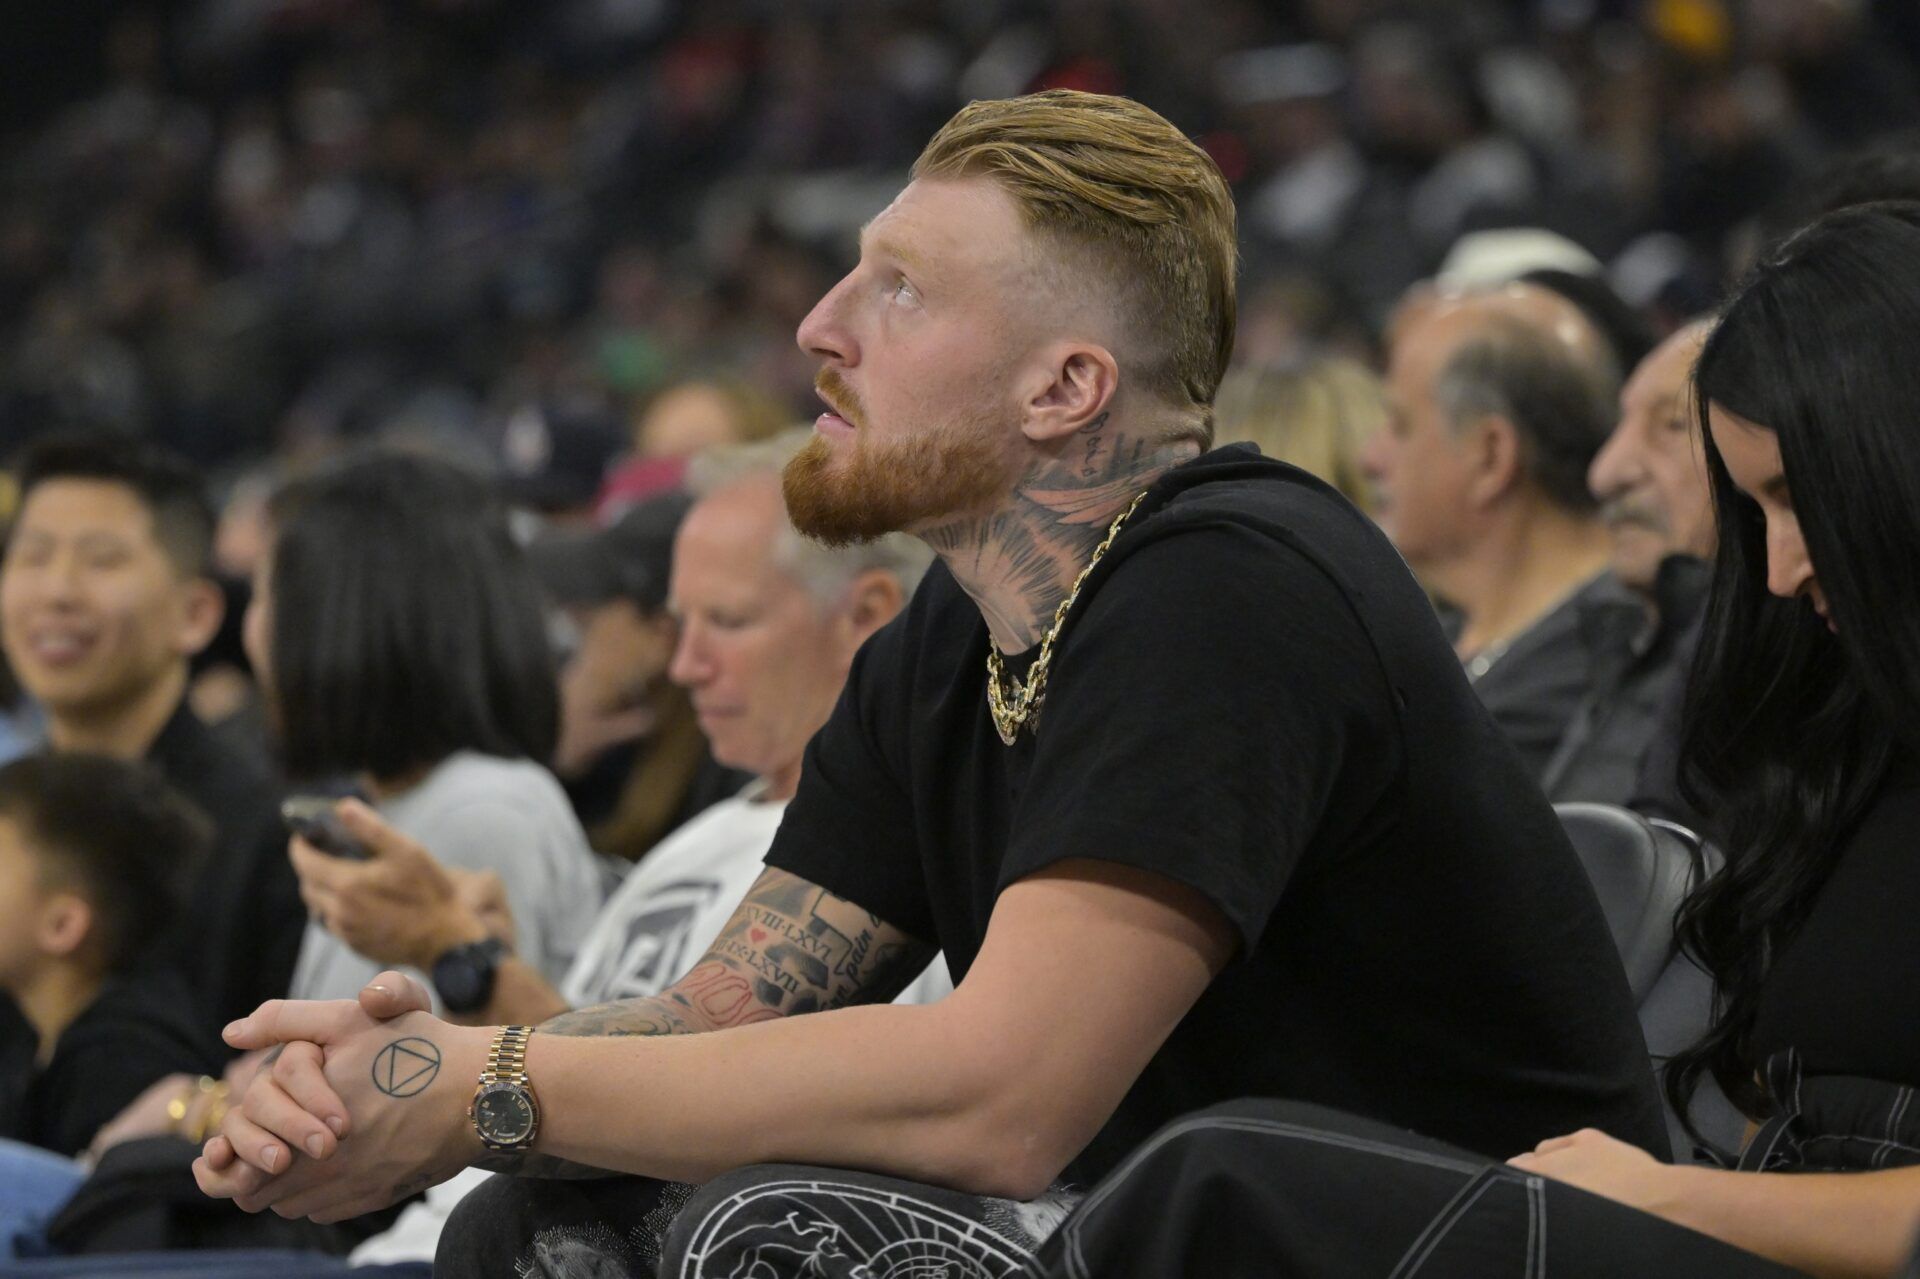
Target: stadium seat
{"points": [[1642, 869]]}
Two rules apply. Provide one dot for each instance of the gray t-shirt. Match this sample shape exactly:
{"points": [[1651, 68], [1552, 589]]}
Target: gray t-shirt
{"points": [[480, 812]]}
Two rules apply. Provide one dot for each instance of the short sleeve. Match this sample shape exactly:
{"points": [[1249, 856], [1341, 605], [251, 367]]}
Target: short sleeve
{"points": [[1217, 713], [850, 828]]}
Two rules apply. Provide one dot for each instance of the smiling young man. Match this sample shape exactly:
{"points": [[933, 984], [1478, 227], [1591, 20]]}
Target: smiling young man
{"points": [[1168, 754], [104, 598]]}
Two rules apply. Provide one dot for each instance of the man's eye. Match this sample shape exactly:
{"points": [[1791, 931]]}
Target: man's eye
{"points": [[902, 290]]}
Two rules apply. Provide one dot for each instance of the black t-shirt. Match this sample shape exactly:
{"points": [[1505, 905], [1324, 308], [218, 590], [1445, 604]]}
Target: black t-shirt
{"points": [[136, 1032], [241, 932], [1845, 990], [1252, 697]]}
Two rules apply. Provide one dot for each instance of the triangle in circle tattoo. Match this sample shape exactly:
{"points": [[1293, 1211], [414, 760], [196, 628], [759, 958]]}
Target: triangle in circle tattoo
{"points": [[406, 1066]]}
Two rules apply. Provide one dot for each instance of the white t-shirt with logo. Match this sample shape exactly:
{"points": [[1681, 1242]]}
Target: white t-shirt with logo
{"points": [[671, 906]]}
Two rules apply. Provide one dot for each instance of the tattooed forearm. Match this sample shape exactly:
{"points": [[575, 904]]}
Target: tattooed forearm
{"points": [[791, 948], [656, 1016]]}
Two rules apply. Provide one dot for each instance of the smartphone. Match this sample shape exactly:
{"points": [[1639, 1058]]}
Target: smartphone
{"points": [[312, 818]]}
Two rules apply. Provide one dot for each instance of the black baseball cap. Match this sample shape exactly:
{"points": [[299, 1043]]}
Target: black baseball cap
{"points": [[629, 559]]}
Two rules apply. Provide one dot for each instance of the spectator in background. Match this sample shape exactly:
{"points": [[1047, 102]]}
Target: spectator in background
{"points": [[630, 752], [767, 684], [1651, 479], [1318, 416], [682, 420], [690, 417], [402, 650], [95, 858], [402, 647], [104, 598], [768, 623], [1499, 401]]}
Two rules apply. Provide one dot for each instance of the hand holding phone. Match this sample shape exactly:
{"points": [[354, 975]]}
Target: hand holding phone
{"points": [[312, 818]]}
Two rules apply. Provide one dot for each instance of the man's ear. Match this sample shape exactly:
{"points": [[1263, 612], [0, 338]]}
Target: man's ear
{"points": [[65, 923], [873, 599], [1493, 447], [1074, 388], [203, 606]]}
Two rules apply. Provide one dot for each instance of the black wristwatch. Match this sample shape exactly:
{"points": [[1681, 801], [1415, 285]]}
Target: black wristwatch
{"points": [[464, 975]]}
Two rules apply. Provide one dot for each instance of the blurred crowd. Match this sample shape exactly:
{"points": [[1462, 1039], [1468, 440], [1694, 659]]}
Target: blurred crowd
{"points": [[402, 390], [257, 230]]}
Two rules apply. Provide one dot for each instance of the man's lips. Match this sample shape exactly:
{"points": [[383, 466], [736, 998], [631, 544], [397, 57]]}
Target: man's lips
{"points": [[831, 423], [58, 646]]}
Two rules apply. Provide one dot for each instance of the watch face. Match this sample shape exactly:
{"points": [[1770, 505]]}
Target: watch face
{"points": [[504, 1114]]}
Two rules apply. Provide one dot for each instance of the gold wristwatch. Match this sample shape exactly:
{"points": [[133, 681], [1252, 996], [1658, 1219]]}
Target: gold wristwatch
{"points": [[504, 1111]]}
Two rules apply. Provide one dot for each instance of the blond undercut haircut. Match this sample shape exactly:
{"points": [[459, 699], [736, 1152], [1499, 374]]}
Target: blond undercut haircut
{"points": [[1121, 191]]}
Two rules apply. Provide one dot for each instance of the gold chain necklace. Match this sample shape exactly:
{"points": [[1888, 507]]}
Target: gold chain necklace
{"points": [[1020, 708]]}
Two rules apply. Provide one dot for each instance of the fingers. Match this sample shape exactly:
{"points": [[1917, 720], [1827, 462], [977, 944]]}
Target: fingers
{"points": [[280, 1021], [300, 1073], [238, 1182], [367, 826], [321, 902], [393, 993], [319, 870], [254, 1145], [1552, 1144], [218, 1152]]}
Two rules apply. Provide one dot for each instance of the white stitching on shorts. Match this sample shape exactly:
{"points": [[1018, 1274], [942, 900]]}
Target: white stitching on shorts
{"points": [[1076, 1260]]}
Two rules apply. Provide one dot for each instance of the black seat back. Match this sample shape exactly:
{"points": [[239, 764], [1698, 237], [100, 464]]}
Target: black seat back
{"points": [[1642, 870]]}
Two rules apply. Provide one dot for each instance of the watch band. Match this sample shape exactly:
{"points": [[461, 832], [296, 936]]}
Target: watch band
{"points": [[507, 1057], [504, 1110]]}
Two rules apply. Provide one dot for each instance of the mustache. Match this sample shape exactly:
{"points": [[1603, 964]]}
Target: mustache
{"points": [[832, 388], [1625, 512]]}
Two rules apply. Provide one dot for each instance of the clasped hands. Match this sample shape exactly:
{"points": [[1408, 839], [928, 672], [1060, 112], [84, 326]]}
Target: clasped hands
{"points": [[362, 1104]]}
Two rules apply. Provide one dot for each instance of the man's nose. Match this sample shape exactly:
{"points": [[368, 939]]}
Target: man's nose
{"points": [[823, 334], [1615, 468], [688, 665]]}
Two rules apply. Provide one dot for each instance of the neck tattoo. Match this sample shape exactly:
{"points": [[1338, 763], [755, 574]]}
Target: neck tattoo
{"points": [[1019, 707]]}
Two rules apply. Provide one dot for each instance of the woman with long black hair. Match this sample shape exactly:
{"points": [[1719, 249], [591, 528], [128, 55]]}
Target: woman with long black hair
{"points": [[1804, 742], [403, 647]]}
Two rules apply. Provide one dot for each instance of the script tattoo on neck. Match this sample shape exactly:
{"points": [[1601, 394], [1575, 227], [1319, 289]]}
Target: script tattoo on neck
{"points": [[1018, 562], [791, 948]]}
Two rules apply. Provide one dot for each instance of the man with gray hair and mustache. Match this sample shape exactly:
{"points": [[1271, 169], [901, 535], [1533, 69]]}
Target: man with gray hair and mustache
{"points": [[1651, 479]]}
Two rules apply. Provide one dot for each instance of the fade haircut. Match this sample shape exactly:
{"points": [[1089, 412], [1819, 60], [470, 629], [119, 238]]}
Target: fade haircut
{"points": [[1562, 401], [825, 571], [1119, 195], [171, 490], [114, 833]]}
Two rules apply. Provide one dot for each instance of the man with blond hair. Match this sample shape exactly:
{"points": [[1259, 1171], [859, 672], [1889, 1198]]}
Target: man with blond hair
{"points": [[1167, 754]]}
